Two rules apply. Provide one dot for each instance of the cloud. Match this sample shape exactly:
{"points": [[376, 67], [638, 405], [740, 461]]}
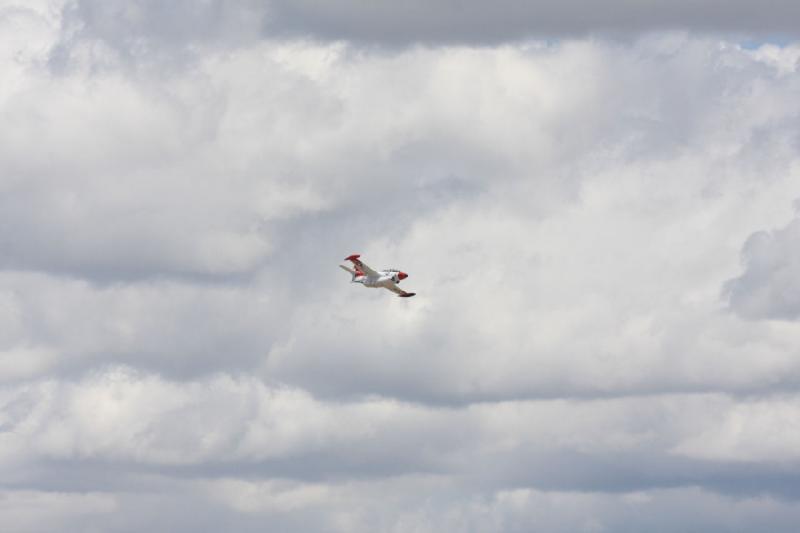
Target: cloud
{"points": [[768, 288], [142, 324], [240, 426], [147, 28], [388, 503], [252, 452], [474, 22], [179, 350], [755, 432]]}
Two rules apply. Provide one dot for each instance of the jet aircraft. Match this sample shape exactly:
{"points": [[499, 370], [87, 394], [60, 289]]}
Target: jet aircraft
{"points": [[387, 279]]}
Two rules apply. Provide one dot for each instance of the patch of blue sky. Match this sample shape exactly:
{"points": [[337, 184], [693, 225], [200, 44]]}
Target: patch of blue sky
{"points": [[781, 40]]}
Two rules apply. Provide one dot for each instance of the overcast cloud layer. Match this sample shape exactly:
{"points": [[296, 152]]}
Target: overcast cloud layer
{"points": [[388, 22], [603, 235]]}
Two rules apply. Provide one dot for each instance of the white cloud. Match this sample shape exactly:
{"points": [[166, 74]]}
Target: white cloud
{"points": [[759, 431], [278, 454], [175, 334]]}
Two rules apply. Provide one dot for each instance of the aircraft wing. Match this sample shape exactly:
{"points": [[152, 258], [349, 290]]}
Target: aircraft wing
{"points": [[360, 266], [400, 292]]}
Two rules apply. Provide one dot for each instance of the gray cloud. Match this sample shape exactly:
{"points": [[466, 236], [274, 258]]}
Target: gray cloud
{"points": [[147, 27], [476, 22], [232, 504], [769, 286]]}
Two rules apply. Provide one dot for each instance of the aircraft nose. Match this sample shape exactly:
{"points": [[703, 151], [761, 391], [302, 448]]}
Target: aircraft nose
{"points": [[402, 275]]}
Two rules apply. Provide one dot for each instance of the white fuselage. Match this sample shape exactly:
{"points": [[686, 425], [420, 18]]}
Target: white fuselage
{"points": [[384, 280]]}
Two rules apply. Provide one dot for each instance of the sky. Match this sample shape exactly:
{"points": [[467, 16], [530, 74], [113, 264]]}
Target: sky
{"points": [[598, 206]]}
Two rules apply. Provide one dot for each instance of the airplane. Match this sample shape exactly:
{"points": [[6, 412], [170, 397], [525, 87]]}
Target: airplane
{"points": [[387, 279]]}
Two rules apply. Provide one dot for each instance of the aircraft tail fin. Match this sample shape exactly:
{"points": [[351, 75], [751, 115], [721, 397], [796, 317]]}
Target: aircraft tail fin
{"points": [[351, 271]]}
